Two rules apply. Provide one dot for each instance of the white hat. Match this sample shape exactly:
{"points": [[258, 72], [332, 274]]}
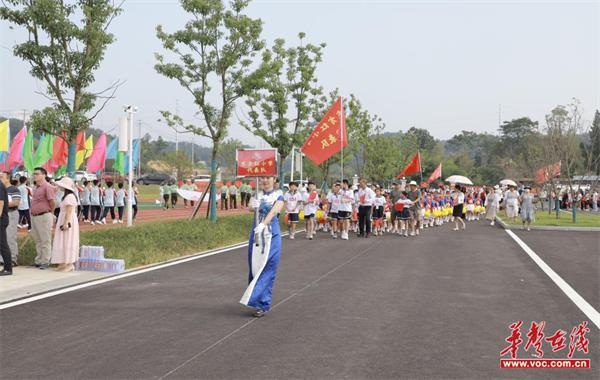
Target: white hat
{"points": [[496, 187], [66, 183], [412, 183]]}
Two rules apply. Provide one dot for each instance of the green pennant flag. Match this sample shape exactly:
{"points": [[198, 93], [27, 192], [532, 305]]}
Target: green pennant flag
{"points": [[44, 150], [28, 152], [119, 164]]}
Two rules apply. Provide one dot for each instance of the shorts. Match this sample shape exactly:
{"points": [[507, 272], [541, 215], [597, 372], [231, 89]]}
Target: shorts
{"points": [[378, 213], [404, 214], [415, 214], [333, 215], [457, 211], [293, 217], [309, 216], [343, 215]]}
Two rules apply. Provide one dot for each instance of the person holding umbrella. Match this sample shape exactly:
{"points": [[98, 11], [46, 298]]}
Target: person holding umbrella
{"points": [[264, 247], [492, 203], [458, 197]]}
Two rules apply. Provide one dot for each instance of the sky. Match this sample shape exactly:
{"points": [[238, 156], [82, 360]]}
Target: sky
{"points": [[444, 66]]}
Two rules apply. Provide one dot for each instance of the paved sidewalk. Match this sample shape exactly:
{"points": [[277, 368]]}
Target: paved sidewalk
{"points": [[28, 281]]}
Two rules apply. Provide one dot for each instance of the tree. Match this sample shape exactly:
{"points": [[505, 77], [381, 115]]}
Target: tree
{"points": [[180, 163], [215, 47], [280, 108], [226, 154], [65, 55], [590, 148]]}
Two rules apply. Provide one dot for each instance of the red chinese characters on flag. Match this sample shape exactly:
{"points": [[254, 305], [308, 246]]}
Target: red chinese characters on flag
{"points": [[257, 162], [328, 137]]}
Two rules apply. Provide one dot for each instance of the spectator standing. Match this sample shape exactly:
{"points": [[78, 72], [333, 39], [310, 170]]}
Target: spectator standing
{"points": [[14, 199], [95, 202], [24, 216], [4, 250], [42, 205], [65, 248]]}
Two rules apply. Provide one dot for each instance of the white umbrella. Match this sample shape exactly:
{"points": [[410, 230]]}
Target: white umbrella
{"points": [[459, 179], [508, 182]]}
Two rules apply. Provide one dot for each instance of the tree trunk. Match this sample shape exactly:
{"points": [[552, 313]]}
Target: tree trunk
{"points": [[71, 158], [212, 199]]}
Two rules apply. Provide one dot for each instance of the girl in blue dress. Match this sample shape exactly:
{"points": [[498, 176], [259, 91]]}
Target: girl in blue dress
{"points": [[264, 248]]}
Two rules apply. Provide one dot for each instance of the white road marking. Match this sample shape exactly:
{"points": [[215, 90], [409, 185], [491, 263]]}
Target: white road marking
{"points": [[578, 300]]}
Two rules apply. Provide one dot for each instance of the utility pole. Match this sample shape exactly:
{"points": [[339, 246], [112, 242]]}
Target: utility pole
{"points": [[130, 110], [139, 148]]}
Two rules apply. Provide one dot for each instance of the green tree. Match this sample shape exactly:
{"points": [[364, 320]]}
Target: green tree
{"points": [[280, 108], [590, 147], [215, 48], [64, 54], [226, 155], [180, 163]]}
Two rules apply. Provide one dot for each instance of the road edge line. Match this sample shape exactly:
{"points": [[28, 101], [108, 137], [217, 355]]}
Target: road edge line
{"points": [[578, 300]]}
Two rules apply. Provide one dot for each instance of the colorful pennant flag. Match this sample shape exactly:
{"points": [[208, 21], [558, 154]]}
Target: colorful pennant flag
{"points": [[4, 132], [98, 157], [413, 167], [44, 150], [328, 137], [28, 152], [84, 153], [111, 151], [15, 153], [119, 164]]}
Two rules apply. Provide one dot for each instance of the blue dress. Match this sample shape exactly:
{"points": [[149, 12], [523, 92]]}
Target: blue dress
{"points": [[263, 257]]}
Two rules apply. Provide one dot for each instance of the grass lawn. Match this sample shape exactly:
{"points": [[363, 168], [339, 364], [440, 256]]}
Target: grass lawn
{"points": [[542, 218], [151, 243], [148, 193]]}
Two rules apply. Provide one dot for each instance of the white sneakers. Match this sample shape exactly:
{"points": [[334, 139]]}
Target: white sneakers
{"points": [[115, 221], [344, 236]]}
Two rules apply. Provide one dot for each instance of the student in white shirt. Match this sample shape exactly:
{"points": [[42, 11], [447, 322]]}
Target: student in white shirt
{"points": [[311, 204], [345, 208], [334, 198], [293, 201], [365, 197]]}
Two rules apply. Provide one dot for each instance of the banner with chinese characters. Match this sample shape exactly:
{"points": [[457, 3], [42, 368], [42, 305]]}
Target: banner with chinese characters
{"points": [[256, 162], [328, 137]]}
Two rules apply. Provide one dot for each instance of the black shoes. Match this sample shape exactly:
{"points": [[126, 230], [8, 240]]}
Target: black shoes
{"points": [[6, 273]]}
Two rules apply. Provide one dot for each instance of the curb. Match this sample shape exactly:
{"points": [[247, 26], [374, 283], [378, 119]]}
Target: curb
{"points": [[549, 228]]}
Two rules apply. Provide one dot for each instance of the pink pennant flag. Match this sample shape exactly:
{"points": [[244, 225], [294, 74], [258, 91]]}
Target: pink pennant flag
{"points": [[96, 161], [14, 155]]}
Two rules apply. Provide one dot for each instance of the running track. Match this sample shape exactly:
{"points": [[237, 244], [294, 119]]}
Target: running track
{"points": [[437, 306]]}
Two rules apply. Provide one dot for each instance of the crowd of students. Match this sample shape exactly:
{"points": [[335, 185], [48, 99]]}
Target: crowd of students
{"points": [[371, 210]]}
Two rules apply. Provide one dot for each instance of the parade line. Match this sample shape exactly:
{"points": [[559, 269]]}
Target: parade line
{"points": [[578, 300]]}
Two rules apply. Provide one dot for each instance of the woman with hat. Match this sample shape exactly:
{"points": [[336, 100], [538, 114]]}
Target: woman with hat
{"points": [[264, 247], [527, 209], [65, 247], [492, 203]]}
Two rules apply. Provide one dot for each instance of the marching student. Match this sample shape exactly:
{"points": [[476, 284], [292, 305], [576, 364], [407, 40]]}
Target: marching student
{"points": [[458, 198], [165, 190], [365, 197], [24, 215], [293, 200], [345, 208], [311, 204], [174, 195], [120, 201], [414, 195], [85, 201], [402, 208], [109, 203], [378, 208], [95, 202], [334, 198]]}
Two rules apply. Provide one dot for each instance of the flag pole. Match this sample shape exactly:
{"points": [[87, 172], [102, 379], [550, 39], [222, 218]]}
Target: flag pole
{"points": [[420, 166], [341, 135]]}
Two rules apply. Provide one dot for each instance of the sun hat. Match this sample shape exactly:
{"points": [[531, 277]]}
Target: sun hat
{"points": [[412, 183], [66, 183]]}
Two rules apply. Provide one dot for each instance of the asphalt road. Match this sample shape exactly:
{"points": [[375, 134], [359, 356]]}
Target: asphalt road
{"points": [[437, 306]]}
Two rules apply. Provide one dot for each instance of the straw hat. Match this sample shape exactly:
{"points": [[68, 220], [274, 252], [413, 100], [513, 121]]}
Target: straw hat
{"points": [[412, 183], [66, 183]]}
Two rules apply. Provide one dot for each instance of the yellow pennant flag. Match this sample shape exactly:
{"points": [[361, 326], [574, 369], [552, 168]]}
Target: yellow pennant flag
{"points": [[83, 154], [4, 136]]}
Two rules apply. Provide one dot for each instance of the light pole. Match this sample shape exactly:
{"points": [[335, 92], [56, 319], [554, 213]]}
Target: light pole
{"points": [[130, 111]]}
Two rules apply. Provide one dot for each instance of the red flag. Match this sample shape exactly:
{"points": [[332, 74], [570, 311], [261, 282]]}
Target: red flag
{"points": [[413, 167], [548, 172], [328, 137], [437, 173]]}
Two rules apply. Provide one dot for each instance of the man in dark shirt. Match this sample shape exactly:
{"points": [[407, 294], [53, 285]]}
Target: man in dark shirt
{"points": [[14, 199], [4, 250]]}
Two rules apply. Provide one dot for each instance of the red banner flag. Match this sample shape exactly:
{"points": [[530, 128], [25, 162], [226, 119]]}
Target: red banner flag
{"points": [[548, 172], [256, 162], [437, 173], [413, 167], [328, 137]]}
